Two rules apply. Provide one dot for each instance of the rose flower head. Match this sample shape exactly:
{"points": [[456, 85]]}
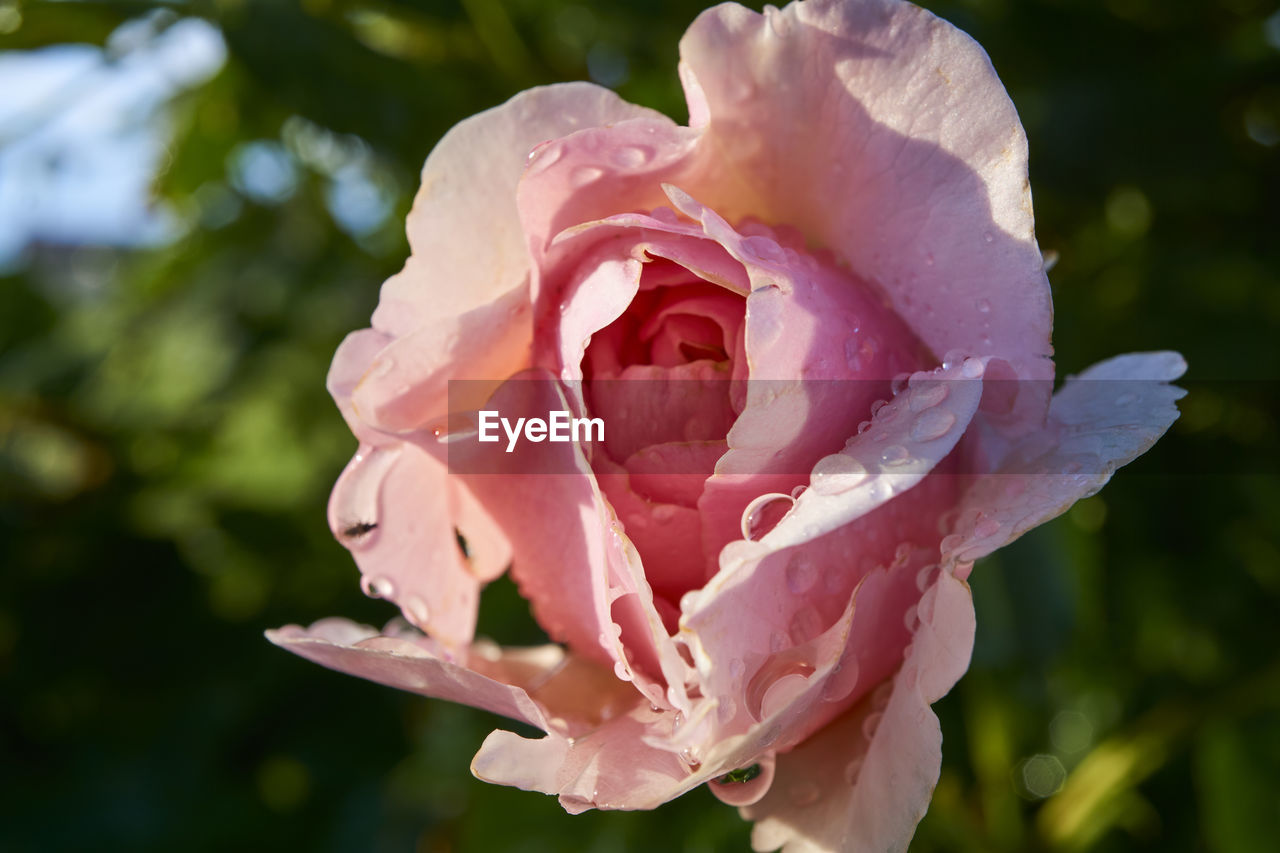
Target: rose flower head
{"points": [[797, 356]]}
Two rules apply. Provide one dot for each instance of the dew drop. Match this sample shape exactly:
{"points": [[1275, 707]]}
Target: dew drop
{"points": [[583, 175], [851, 771], [355, 513], [837, 473], [778, 682], [798, 491], [804, 793], [690, 756], [877, 406], [805, 625], [863, 427], [744, 786], [764, 513], [984, 306], [926, 576], [988, 237], [987, 527], [972, 368], [764, 249], [911, 619], [927, 395], [377, 587], [895, 455], [632, 156], [932, 424], [870, 724], [544, 157], [928, 259], [416, 610], [622, 671], [841, 680], [898, 383]]}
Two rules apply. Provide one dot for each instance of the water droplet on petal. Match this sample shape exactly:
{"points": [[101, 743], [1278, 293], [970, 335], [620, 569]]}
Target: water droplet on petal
{"points": [[632, 156], [895, 455], [870, 724], [863, 427], [764, 513], [932, 424], [690, 756], [583, 175], [877, 406], [927, 395], [622, 671], [972, 368], [851, 771], [798, 491], [779, 681], [416, 611], [544, 157], [987, 527], [836, 473], [764, 249], [988, 237], [841, 680], [804, 793], [898, 383], [745, 786], [926, 576], [911, 619], [377, 587], [805, 625], [355, 510], [984, 306]]}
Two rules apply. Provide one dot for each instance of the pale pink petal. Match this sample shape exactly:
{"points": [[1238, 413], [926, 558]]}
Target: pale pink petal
{"points": [[1104, 418], [541, 686], [459, 308], [916, 174], [865, 781], [570, 559], [392, 508]]}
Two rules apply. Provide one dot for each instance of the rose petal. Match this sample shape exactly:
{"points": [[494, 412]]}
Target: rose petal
{"points": [[916, 176], [842, 790], [459, 308], [1104, 418], [393, 507]]}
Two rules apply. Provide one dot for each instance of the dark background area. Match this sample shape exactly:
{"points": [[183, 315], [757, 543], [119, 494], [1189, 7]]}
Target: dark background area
{"points": [[167, 447]]}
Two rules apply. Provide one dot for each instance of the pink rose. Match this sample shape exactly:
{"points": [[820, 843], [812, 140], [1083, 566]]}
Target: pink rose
{"points": [[760, 570]]}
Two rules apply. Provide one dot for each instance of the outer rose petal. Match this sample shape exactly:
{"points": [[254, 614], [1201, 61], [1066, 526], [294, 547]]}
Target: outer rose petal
{"points": [[541, 686], [1104, 418], [844, 791], [459, 307], [916, 175]]}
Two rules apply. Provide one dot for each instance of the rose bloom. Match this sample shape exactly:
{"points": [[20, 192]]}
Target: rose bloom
{"points": [[815, 323]]}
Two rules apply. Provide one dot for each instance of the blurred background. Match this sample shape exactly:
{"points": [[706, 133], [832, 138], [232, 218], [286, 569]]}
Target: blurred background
{"points": [[199, 199]]}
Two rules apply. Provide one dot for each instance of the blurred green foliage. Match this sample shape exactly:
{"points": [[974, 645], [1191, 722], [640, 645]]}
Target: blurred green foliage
{"points": [[166, 449]]}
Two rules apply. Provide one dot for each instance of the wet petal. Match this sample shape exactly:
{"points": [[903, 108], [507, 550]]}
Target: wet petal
{"points": [[864, 782], [916, 176], [1104, 418]]}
